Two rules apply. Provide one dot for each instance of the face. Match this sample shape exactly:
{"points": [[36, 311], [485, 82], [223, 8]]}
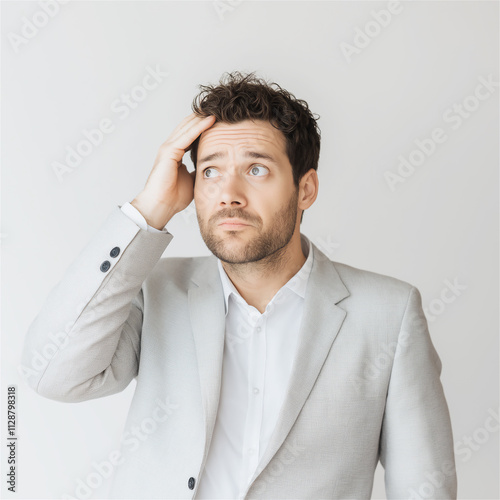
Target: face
{"points": [[243, 173]]}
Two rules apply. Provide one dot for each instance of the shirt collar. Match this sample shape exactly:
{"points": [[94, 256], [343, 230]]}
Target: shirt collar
{"points": [[296, 283]]}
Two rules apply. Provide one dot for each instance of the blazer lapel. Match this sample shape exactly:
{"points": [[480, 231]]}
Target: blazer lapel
{"points": [[321, 322], [208, 321]]}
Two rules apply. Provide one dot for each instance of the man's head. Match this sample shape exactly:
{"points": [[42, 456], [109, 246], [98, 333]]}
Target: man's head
{"points": [[256, 163]]}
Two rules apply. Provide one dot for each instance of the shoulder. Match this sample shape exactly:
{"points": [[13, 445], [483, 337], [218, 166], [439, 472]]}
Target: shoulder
{"points": [[376, 287], [378, 300]]}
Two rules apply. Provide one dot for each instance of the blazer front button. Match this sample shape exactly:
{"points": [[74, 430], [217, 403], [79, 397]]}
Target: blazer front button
{"points": [[115, 252], [191, 483], [105, 266]]}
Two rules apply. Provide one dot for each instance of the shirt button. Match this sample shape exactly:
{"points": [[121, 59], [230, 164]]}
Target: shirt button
{"points": [[250, 451], [258, 329], [255, 390]]}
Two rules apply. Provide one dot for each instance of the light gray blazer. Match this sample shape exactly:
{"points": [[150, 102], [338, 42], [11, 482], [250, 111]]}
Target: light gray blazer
{"points": [[365, 385]]}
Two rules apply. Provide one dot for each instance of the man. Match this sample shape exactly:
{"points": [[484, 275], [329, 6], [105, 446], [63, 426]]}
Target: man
{"points": [[264, 370]]}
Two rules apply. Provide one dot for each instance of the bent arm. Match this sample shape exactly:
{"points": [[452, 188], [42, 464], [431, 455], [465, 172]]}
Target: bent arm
{"points": [[416, 445], [85, 341]]}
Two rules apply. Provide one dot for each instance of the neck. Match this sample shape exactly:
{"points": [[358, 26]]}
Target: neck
{"points": [[258, 282]]}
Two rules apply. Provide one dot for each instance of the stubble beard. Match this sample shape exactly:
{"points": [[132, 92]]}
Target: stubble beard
{"points": [[268, 246]]}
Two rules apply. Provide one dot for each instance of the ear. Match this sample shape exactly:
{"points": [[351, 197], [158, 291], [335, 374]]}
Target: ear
{"points": [[308, 189]]}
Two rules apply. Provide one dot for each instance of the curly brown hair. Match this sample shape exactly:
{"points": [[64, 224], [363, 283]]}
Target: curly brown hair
{"points": [[241, 97]]}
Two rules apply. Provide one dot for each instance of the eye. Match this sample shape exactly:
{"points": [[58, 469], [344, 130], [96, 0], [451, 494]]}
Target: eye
{"points": [[255, 168], [209, 169]]}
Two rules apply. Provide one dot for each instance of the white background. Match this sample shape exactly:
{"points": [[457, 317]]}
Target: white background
{"points": [[440, 224]]}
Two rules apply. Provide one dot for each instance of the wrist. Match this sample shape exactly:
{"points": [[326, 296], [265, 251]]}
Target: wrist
{"points": [[156, 214]]}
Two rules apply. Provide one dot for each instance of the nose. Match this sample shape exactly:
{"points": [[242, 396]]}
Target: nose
{"points": [[231, 191]]}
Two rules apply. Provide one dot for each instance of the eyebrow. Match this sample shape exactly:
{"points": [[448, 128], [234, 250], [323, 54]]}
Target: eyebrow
{"points": [[248, 154]]}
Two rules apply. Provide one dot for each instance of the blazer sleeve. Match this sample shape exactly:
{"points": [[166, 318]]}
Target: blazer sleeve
{"points": [[85, 341], [416, 444]]}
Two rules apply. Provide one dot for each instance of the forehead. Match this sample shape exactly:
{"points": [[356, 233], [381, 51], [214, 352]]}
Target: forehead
{"points": [[245, 133]]}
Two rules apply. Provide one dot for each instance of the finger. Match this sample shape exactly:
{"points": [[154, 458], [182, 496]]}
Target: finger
{"points": [[187, 124], [189, 136], [182, 125]]}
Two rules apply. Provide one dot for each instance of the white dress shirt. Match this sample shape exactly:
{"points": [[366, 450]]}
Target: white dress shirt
{"points": [[259, 350]]}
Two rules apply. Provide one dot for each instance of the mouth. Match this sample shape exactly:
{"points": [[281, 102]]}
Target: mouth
{"points": [[233, 225]]}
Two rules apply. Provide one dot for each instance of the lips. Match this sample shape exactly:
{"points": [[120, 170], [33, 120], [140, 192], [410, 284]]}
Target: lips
{"points": [[235, 222]]}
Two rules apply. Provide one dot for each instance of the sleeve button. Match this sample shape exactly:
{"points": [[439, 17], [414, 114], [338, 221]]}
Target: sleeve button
{"points": [[105, 266], [114, 252], [191, 483]]}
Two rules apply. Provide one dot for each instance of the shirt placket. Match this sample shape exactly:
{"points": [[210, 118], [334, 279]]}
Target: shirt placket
{"points": [[256, 377]]}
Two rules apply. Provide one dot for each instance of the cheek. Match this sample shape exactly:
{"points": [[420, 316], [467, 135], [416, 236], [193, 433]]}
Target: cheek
{"points": [[206, 194], [199, 202]]}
